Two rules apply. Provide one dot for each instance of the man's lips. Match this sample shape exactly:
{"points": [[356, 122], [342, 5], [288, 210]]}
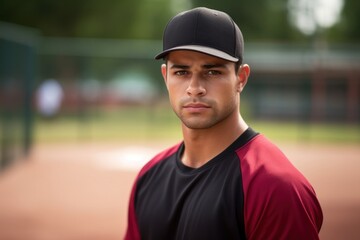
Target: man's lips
{"points": [[196, 108], [196, 105]]}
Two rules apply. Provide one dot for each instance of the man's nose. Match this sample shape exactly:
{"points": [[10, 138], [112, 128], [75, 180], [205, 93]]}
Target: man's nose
{"points": [[196, 87]]}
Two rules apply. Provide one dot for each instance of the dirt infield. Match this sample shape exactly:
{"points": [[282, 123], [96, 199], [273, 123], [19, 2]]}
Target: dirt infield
{"points": [[80, 191]]}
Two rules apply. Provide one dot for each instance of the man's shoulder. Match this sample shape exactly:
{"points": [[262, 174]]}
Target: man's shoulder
{"points": [[161, 156], [256, 144], [260, 155], [263, 160]]}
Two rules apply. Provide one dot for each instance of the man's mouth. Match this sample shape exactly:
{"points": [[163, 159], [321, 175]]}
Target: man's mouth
{"points": [[196, 107]]}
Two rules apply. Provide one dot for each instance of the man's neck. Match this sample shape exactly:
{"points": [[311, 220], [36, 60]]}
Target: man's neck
{"points": [[201, 145]]}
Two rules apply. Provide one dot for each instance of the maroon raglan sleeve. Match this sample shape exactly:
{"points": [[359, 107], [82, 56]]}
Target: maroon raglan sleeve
{"points": [[133, 232], [279, 203]]}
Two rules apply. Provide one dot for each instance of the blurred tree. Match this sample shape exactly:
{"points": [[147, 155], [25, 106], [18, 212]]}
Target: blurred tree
{"points": [[145, 19], [351, 19], [108, 19], [124, 19], [150, 18], [51, 17], [89, 18], [258, 20], [348, 28]]}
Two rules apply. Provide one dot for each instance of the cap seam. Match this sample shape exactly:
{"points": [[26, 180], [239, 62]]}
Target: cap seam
{"points": [[235, 36], [194, 40]]}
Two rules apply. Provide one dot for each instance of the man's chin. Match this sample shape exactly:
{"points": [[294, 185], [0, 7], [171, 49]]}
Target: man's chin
{"points": [[198, 125]]}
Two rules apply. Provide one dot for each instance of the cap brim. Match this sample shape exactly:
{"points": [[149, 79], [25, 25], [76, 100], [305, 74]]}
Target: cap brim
{"points": [[206, 50]]}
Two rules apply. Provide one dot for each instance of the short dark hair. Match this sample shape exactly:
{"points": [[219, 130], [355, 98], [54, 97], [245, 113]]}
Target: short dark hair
{"points": [[237, 66]]}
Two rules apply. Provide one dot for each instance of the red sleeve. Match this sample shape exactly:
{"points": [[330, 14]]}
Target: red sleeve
{"points": [[279, 203], [132, 232]]}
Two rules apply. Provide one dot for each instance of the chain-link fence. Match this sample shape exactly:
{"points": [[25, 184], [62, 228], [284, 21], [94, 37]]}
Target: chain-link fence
{"points": [[18, 48]]}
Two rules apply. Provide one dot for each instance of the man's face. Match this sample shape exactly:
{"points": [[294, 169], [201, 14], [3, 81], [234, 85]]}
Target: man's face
{"points": [[203, 90]]}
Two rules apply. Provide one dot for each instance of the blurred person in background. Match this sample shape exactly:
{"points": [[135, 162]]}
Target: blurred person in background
{"points": [[224, 180], [49, 97]]}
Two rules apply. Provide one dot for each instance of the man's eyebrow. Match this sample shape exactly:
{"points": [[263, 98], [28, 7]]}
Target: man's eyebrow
{"points": [[179, 66], [215, 65], [206, 66]]}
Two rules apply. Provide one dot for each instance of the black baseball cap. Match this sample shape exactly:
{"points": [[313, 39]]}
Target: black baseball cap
{"points": [[204, 30]]}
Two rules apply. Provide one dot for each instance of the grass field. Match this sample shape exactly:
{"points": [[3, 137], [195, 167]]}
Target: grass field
{"points": [[142, 124]]}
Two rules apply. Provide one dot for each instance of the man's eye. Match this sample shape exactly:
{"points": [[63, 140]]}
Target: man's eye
{"points": [[213, 72], [180, 73]]}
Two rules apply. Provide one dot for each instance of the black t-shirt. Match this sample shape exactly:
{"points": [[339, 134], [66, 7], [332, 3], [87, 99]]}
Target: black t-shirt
{"points": [[173, 201]]}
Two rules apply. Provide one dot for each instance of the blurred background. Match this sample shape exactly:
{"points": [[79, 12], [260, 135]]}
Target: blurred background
{"points": [[83, 105]]}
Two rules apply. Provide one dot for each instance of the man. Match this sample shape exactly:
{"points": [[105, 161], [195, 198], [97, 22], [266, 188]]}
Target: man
{"points": [[224, 181]]}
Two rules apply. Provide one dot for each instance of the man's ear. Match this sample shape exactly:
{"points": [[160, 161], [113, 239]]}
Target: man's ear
{"points": [[243, 76], [164, 72]]}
